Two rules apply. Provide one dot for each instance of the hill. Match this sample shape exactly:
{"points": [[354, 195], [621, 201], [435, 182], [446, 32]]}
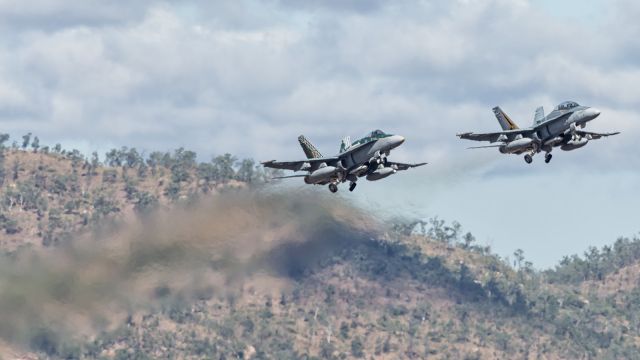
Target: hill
{"points": [[183, 262]]}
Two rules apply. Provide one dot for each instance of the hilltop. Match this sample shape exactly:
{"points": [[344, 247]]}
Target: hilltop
{"points": [[49, 194], [165, 257]]}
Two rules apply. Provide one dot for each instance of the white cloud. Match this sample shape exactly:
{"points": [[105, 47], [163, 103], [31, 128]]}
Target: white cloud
{"points": [[247, 77], [202, 74]]}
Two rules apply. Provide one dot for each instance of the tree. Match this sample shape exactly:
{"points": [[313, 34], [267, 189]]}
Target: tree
{"points": [[207, 172], [357, 348], [172, 191], [104, 205], [3, 173], [224, 164], [3, 138], [111, 158], [468, 239], [519, 255], [95, 160], [9, 225], [153, 161], [132, 157], [110, 176], [15, 169], [142, 170], [246, 171], [26, 139], [145, 202], [186, 158], [130, 188], [344, 330], [181, 163], [35, 144]]}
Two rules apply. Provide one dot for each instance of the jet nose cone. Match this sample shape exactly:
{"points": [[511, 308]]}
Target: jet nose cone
{"points": [[394, 141], [397, 140], [591, 113]]}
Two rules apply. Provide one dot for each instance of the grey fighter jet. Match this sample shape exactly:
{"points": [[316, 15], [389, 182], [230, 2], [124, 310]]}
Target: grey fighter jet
{"points": [[561, 128], [366, 157]]}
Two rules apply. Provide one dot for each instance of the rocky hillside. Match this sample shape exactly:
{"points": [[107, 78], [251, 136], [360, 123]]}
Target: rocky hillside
{"points": [[178, 261], [48, 195]]}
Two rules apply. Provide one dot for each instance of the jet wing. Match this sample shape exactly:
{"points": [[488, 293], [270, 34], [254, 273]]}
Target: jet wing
{"points": [[298, 165], [402, 166], [594, 135], [495, 136]]}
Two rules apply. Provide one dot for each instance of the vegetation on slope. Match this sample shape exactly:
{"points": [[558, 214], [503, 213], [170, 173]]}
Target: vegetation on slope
{"points": [[259, 274]]}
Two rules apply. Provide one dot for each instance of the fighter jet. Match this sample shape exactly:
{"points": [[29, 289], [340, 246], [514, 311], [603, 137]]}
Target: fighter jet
{"points": [[366, 157], [561, 128]]}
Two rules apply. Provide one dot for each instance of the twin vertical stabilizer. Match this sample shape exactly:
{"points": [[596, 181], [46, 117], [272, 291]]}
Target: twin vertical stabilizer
{"points": [[308, 148], [345, 144], [539, 116], [505, 121]]}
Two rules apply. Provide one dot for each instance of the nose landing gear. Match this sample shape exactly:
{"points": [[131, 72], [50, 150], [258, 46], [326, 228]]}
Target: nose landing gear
{"points": [[352, 186], [547, 158]]}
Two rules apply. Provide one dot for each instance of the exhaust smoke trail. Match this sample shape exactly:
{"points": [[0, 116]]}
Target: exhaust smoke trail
{"points": [[207, 249]]}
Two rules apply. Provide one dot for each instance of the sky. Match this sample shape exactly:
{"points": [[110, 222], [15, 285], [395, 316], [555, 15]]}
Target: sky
{"points": [[248, 77]]}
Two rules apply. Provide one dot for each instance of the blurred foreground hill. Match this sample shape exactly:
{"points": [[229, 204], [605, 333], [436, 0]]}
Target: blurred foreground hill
{"points": [[162, 257]]}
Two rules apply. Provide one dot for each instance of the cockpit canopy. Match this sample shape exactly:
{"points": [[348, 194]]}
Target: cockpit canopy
{"points": [[567, 105], [377, 134], [372, 136]]}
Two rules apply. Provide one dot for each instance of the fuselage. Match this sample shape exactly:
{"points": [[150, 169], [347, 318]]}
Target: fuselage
{"points": [[559, 121], [364, 157], [362, 153], [555, 130]]}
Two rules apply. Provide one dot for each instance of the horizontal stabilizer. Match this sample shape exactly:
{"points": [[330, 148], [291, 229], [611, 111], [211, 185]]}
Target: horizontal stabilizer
{"points": [[484, 147], [288, 177], [403, 166]]}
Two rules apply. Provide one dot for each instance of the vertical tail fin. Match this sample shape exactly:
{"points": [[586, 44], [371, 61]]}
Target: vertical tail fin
{"points": [[345, 144], [308, 148], [539, 116], [505, 121]]}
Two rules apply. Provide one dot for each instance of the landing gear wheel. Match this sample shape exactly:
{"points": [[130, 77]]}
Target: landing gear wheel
{"points": [[528, 159], [547, 158], [333, 188], [352, 186]]}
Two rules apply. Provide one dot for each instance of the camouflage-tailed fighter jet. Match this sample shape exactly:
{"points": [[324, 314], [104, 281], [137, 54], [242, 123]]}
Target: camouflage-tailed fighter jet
{"points": [[366, 157], [561, 128]]}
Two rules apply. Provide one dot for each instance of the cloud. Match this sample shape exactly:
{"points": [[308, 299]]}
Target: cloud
{"points": [[27, 15], [248, 77]]}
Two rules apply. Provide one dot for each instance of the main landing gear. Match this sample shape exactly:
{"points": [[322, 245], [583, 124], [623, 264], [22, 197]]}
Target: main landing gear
{"points": [[528, 158], [333, 188], [352, 186]]}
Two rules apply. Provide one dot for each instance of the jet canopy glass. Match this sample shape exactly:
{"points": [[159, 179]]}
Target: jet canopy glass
{"points": [[567, 105], [374, 135], [377, 134]]}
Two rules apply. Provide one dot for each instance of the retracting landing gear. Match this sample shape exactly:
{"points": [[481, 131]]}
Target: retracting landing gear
{"points": [[352, 186], [547, 157], [528, 159], [333, 188]]}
